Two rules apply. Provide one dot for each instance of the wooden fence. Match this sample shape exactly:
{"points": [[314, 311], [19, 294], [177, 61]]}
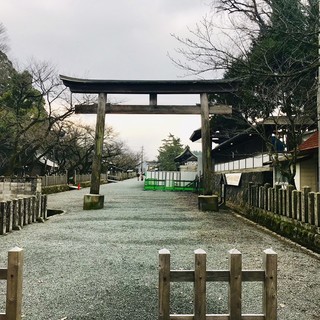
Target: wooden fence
{"points": [[17, 213], [13, 275], [234, 276], [301, 205]]}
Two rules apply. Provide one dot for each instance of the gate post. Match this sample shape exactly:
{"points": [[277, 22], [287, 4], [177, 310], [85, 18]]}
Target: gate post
{"points": [[164, 284], [94, 200], [270, 285], [14, 284]]}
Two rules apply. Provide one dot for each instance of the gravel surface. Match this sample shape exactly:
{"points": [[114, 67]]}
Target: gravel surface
{"points": [[103, 264]]}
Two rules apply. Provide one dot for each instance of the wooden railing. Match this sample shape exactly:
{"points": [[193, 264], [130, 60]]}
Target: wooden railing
{"points": [[234, 276], [13, 275]]}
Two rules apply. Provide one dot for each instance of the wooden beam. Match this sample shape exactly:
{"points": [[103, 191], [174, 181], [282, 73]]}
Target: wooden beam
{"points": [[149, 86], [152, 109]]}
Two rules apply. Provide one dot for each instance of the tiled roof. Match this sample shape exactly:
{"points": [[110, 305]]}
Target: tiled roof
{"points": [[311, 143]]}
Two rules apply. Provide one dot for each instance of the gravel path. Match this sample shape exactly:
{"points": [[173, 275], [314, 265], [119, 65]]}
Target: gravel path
{"points": [[103, 264]]}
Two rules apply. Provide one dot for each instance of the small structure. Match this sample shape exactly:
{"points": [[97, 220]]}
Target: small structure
{"points": [[307, 165], [187, 160]]}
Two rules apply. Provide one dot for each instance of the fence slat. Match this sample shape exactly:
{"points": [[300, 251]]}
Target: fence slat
{"points": [[235, 265], [200, 285], [14, 284], [164, 284], [270, 285]]}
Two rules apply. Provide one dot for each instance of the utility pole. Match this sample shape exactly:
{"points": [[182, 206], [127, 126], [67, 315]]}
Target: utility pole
{"points": [[141, 163]]}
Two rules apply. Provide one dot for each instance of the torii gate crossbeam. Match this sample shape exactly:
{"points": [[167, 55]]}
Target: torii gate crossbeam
{"points": [[153, 88]]}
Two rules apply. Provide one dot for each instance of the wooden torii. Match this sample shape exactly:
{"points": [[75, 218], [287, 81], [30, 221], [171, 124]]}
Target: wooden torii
{"points": [[151, 87]]}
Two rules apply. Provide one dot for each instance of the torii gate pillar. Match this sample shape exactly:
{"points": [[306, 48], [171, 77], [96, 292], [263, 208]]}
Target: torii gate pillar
{"points": [[207, 201], [94, 200]]}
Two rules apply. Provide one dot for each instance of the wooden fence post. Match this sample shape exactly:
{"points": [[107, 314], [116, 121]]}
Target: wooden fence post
{"points": [[14, 284], [25, 211], [15, 213], [9, 216], [200, 306], [3, 217], [270, 285], [33, 208], [20, 212], [235, 284], [164, 284], [317, 209]]}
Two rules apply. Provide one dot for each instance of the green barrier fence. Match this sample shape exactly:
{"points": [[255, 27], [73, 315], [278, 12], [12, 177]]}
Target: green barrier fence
{"points": [[170, 185]]}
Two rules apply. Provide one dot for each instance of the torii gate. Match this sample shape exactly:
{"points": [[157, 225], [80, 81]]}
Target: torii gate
{"points": [[151, 87]]}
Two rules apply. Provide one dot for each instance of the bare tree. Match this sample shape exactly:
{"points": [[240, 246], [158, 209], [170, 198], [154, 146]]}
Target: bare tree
{"points": [[272, 48]]}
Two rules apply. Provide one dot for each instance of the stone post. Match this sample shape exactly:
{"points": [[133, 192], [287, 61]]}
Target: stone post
{"points": [[304, 204], [3, 217], [311, 205], [290, 188], [317, 209], [267, 186], [9, 217]]}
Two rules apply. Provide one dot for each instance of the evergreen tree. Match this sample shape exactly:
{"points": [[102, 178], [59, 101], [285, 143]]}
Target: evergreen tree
{"points": [[168, 151]]}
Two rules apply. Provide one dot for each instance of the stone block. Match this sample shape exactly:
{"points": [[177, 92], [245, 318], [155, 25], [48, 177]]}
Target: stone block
{"points": [[208, 203], [93, 201]]}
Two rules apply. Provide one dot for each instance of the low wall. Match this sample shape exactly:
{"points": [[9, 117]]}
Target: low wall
{"points": [[290, 213], [17, 213]]}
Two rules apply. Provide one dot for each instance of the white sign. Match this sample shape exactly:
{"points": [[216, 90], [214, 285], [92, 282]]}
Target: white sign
{"points": [[233, 179]]}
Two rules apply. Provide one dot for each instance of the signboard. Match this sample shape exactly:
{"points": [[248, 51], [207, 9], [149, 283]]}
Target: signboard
{"points": [[233, 179]]}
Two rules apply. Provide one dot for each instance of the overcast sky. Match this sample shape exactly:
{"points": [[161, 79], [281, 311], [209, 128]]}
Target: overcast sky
{"points": [[104, 39]]}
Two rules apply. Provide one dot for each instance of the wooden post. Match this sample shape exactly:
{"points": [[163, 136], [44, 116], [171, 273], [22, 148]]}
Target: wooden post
{"points": [[9, 216], [99, 136], [270, 285], [206, 145], [14, 284], [317, 209], [25, 210], [20, 212], [3, 217], [15, 213], [200, 279], [235, 265], [164, 284]]}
